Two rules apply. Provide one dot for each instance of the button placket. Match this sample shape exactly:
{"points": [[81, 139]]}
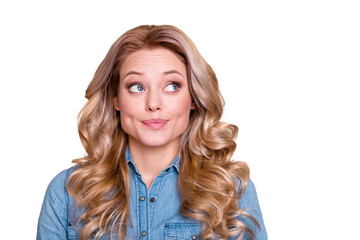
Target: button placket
{"points": [[142, 196]]}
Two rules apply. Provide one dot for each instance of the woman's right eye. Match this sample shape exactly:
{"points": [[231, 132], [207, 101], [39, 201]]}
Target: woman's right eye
{"points": [[136, 88]]}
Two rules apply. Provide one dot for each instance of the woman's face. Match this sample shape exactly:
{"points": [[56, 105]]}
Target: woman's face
{"points": [[153, 98]]}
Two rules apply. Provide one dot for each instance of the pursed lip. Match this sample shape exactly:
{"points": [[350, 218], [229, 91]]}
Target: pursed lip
{"points": [[155, 123]]}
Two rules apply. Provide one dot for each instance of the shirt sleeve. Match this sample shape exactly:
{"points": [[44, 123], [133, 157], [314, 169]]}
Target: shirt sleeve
{"points": [[250, 203], [53, 220]]}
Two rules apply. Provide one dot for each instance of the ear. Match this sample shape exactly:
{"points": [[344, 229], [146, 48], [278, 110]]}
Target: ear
{"points": [[192, 106], [116, 103]]}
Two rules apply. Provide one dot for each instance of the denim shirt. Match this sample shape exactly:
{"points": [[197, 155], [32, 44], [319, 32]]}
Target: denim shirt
{"points": [[154, 213]]}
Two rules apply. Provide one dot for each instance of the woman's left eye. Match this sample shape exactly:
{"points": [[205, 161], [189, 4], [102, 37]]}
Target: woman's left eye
{"points": [[172, 87]]}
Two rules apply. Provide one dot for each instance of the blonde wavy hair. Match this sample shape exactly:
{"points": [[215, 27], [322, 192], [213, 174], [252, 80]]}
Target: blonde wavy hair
{"points": [[208, 179]]}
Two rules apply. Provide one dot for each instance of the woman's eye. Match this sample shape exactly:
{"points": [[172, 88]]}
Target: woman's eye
{"points": [[172, 87], [136, 88]]}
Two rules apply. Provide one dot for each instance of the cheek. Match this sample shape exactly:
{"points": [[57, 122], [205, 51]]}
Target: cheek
{"points": [[127, 109], [128, 105], [181, 107]]}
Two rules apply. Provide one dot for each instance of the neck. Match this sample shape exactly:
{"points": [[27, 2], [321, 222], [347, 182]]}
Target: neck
{"points": [[150, 161]]}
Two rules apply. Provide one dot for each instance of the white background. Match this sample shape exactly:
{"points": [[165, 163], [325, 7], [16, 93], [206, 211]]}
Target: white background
{"points": [[289, 72]]}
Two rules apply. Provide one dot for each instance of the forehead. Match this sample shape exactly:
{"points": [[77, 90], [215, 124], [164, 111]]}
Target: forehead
{"points": [[154, 60]]}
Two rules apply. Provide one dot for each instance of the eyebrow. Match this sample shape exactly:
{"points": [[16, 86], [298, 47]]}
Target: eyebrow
{"points": [[173, 71], [133, 72], [164, 73]]}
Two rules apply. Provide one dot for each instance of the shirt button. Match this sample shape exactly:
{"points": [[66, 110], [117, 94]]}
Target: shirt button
{"points": [[194, 237], [167, 170], [143, 233], [152, 199], [142, 198]]}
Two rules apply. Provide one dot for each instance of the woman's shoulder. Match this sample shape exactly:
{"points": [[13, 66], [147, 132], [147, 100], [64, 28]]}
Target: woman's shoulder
{"points": [[56, 190], [249, 202], [53, 219], [247, 193], [60, 179], [249, 187]]}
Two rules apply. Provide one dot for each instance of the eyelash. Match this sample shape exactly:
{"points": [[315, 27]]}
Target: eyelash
{"points": [[177, 84]]}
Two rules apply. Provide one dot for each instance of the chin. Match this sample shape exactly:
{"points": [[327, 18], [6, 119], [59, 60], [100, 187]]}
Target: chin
{"points": [[155, 143], [152, 140]]}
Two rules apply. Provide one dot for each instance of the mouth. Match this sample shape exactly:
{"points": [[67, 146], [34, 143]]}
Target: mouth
{"points": [[155, 123]]}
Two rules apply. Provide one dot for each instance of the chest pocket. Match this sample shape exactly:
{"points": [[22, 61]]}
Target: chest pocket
{"points": [[73, 234], [182, 231]]}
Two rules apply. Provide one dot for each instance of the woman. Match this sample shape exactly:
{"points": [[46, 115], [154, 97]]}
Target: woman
{"points": [[158, 162]]}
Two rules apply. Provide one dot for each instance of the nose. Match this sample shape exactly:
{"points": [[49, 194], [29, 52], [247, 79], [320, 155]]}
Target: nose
{"points": [[153, 101]]}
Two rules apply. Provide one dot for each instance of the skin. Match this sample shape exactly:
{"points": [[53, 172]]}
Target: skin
{"points": [[153, 85]]}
